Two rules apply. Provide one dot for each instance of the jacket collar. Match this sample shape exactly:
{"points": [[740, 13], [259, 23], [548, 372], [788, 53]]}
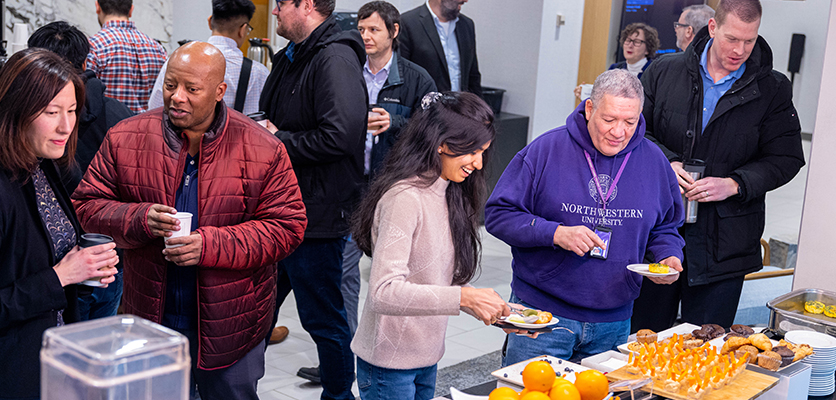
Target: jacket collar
{"points": [[322, 32], [175, 139], [395, 72]]}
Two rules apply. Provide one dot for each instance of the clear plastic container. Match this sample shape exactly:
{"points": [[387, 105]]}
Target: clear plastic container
{"points": [[116, 358]]}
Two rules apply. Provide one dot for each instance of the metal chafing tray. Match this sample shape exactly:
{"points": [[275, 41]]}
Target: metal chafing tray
{"points": [[787, 312]]}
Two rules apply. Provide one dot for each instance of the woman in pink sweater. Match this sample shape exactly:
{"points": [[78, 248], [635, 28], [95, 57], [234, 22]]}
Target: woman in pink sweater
{"points": [[419, 223]]}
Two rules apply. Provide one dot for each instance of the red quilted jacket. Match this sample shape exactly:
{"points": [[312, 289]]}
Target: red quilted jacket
{"points": [[251, 216]]}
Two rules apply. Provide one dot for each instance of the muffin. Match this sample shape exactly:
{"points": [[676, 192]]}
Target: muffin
{"points": [[769, 360], [715, 330], [785, 353], [701, 334], [751, 350], [646, 336], [742, 330]]}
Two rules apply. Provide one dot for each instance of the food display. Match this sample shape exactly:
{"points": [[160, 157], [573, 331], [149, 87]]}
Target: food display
{"points": [[690, 372], [541, 382]]}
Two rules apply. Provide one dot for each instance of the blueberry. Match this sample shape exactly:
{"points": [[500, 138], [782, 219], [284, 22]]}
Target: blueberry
{"points": [[560, 361], [505, 374]]}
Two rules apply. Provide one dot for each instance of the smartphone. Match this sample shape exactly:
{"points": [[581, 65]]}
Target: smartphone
{"points": [[605, 234]]}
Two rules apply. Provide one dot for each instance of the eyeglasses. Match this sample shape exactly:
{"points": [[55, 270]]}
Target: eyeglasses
{"points": [[279, 4], [676, 24], [633, 42], [249, 28]]}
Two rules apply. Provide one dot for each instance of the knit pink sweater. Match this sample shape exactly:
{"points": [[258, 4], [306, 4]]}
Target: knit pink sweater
{"points": [[410, 294]]}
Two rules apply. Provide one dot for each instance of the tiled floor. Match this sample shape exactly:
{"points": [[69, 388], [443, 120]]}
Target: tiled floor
{"points": [[466, 337]]}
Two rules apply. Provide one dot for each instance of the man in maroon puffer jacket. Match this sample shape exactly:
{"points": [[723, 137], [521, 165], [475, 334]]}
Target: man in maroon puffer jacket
{"points": [[196, 155]]}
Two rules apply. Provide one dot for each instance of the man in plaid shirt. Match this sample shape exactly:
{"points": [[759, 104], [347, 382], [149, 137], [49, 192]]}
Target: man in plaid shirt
{"points": [[125, 59]]}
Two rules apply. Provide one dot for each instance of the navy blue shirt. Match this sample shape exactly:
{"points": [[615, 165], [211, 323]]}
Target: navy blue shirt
{"points": [[180, 312]]}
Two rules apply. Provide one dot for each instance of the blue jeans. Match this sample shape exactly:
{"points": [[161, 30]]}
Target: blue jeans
{"points": [[589, 338], [102, 303], [314, 273], [378, 383], [350, 286]]}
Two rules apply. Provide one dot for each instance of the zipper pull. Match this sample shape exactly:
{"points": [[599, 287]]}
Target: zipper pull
{"points": [[186, 183]]}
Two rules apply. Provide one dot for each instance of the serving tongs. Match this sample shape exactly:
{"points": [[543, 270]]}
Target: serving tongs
{"points": [[632, 385]]}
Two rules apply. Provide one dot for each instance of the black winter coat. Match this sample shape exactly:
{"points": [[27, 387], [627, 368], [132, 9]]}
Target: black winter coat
{"points": [[753, 137], [99, 114], [401, 97], [320, 104], [30, 292]]}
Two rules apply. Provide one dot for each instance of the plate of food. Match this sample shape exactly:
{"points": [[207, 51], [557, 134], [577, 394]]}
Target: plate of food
{"points": [[530, 319], [654, 269]]}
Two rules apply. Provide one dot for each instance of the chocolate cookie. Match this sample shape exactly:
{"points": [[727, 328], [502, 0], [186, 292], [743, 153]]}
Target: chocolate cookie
{"points": [[742, 330]]}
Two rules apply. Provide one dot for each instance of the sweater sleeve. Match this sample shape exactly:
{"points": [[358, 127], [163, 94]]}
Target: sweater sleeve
{"points": [[509, 213], [396, 222], [664, 240]]}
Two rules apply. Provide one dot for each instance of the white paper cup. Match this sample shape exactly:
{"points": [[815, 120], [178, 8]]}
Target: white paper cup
{"points": [[21, 34], [185, 228], [586, 91]]}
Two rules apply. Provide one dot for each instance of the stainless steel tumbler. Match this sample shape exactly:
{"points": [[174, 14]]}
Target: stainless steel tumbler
{"points": [[695, 168]]}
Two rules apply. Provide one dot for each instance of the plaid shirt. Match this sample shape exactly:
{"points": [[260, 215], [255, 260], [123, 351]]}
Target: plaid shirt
{"points": [[127, 61]]}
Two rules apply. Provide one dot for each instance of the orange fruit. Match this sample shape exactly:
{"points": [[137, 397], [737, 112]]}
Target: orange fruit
{"points": [[504, 393], [535, 395], [564, 390], [539, 376], [592, 385]]}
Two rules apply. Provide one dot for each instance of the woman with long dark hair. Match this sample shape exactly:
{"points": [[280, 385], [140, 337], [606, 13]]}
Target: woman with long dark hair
{"points": [[40, 96], [419, 223]]}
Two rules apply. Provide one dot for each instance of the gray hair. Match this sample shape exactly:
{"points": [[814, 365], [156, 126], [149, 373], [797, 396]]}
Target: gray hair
{"points": [[618, 83], [697, 16]]}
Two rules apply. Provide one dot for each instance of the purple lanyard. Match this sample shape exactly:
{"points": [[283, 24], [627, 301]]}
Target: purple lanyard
{"points": [[598, 184]]}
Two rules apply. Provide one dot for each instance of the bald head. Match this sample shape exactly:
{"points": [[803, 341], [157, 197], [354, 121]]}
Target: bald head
{"points": [[194, 84]]}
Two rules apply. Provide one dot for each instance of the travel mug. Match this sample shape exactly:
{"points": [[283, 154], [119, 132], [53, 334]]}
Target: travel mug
{"points": [[695, 168], [260, 117], [90, 240]]}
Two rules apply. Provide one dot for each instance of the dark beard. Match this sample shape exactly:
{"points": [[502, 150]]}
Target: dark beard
{"points": [[449, 14]]}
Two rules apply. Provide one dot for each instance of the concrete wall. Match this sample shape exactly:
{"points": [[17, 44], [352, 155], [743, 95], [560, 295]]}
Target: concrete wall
{"points": [[814, 268], [780, 20], [192, 21]]}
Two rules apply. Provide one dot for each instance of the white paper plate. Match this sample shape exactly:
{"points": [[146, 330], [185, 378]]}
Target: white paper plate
{"points": [[819, 341], [513, 373], [530, 326], [644, 269]]}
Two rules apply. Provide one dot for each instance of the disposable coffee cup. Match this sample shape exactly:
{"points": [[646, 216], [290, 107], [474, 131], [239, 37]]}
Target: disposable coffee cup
{"points": [[586, 91], [372, 114], [90, 240], [260, 117], [185, 228]]}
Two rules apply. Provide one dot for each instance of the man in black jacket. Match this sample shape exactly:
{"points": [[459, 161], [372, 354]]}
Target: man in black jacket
{"points": [[98, 115], [316, 101], [720, 102], [440, 39]]}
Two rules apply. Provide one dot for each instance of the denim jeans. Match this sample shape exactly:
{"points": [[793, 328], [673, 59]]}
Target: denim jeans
{"points": [[378, 383], [314, 272], [102, 303], [587, 339], [350, 286]]}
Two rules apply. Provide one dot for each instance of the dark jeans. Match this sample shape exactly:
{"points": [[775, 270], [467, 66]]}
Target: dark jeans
{"points": [[658, 305], [314, 273], [351, 282], [238, 381], [102, 303]]}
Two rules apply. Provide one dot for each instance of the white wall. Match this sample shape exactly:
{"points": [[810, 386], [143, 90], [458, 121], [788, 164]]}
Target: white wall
{"points": [[814, 268], [557, 72], [191, 20], [780, 20]]}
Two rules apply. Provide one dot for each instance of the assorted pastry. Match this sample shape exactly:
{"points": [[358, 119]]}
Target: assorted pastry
{"points": [[692, 372]]}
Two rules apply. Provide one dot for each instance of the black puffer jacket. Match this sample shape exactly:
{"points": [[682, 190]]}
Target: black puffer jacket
{"points": [[319, 103], [401, 97], [753, 137], [98, 115]]}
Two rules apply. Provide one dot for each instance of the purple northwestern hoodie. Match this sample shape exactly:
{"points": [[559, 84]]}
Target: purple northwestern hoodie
{"points": [[549, 183]]}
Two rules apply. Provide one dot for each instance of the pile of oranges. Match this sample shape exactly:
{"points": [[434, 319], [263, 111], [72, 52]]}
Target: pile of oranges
{"points": [[542, 383]]}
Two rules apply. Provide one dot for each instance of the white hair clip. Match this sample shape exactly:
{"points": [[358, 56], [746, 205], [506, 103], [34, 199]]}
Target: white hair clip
{"points": [[428, 99]]}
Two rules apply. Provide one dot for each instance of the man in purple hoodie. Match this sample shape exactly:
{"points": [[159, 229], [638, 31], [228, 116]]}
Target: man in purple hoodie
{"points": [[595, 176]]}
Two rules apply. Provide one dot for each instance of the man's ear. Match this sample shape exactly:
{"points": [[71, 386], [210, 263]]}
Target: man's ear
{"points": [[220, 92], [588, 109], [209, 21], [131, 12], [712, 27], [397, 28]]}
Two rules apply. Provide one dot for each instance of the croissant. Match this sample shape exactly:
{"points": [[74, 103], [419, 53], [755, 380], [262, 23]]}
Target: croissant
{"points": [[734, 343], [760, 341], [801, 351]]}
